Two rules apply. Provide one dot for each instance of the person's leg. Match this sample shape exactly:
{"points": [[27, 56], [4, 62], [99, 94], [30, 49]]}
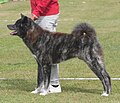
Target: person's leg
{"points": [[50, 23], [54, 81]]}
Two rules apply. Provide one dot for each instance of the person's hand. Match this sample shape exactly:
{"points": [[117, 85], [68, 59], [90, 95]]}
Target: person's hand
{"points": [[34, 17]]}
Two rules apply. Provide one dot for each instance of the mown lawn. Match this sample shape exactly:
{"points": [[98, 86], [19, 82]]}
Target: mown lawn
{"points": [[20, 69]]}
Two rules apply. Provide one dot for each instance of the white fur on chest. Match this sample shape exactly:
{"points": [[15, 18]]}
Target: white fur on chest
{"points": [[34, 56]]}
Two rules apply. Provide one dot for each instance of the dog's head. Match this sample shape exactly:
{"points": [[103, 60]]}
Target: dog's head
{"points": [[21, 26]]}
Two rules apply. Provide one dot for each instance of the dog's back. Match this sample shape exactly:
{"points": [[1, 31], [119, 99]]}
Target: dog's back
{"points": [[65, 46]]}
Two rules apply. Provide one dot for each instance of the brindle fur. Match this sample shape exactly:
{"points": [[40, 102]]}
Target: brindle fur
{"points": [[51, 48]]}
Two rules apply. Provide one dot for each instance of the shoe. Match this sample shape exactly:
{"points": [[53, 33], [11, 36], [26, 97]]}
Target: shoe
{"points": [[51, 90], [54, 89]]}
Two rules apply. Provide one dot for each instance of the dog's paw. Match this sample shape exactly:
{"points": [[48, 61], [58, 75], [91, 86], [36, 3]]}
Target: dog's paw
{"points": [[44, 93], [34, 92], [105, 94], [37, 90]]}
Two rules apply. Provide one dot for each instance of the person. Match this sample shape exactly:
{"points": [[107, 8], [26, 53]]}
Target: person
{"points": [[46, 13]]}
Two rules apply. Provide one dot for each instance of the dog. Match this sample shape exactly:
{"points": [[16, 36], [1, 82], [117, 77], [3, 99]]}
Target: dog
{"points": [[54, 47]]}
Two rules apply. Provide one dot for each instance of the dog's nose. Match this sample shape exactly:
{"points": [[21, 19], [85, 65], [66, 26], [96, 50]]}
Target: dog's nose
{"points": [[11, 27]]}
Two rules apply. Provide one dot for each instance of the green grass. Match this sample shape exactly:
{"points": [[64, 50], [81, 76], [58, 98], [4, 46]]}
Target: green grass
{"points": [[17, 64]]}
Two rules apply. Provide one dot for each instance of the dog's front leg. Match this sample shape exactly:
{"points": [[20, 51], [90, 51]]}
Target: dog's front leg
{"points": [[40, 76], [47, 72], [40, 83]]}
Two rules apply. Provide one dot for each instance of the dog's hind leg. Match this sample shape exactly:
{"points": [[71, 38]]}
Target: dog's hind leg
{"points": [[47, 72], [101, 73], [94, 60]]}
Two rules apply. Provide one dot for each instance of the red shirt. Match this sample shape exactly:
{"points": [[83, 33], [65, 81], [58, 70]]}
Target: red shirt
{"points": [[44, 7]]}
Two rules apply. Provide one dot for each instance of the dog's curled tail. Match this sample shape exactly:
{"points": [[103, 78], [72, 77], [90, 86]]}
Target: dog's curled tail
{"points": [[84, 30]]}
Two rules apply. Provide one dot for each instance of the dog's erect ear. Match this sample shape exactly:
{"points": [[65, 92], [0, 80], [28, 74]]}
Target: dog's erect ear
{"points": [[22, 16], [25, 20]]}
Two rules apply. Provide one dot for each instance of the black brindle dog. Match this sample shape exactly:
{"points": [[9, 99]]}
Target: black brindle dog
{"points": [[52, 48]]}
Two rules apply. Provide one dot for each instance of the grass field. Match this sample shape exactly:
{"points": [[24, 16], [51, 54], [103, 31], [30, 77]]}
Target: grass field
{"points": [[17, 64]]}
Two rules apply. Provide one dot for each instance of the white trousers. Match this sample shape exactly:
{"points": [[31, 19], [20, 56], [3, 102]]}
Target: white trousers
{"points": [[50, 23]]}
